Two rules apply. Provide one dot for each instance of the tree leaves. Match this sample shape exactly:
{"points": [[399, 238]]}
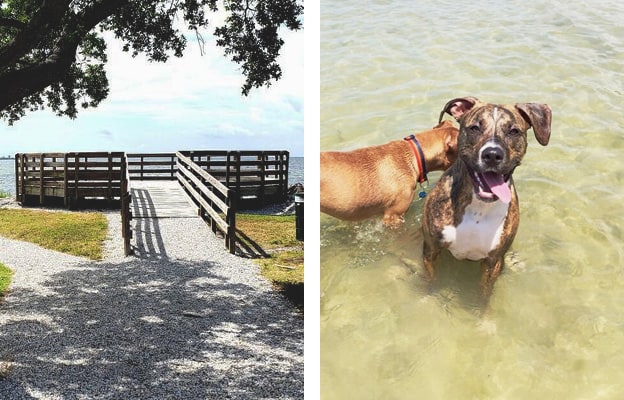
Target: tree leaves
{"points": [[52, 53]]}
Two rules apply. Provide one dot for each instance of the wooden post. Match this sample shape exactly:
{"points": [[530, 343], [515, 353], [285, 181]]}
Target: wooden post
{"points": [[238, 175], [230, 237], [263, 159], [227, 169], [41, 192], [110, 179], [54, 176], [172, 166], [23, 161], [76, 170], [284, 165], [17, 178], [65, 182]]}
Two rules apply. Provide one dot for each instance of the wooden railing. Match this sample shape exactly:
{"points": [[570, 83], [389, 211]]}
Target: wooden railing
{"points": [[126, 213], [216, 202], [38, 174], [256, 176], [152, 166], [73, 177]]}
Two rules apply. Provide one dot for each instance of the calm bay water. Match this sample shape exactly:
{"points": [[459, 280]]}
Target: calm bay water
{"points": [[7, 176], [555, 326], [7, 173], [295, 170]]}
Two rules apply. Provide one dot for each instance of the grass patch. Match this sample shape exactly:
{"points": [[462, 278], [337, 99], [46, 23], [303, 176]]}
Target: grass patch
{"points": [[4, 195], [80, 234], [269, 231], [5, 279], [285, 267], [275, 234]]}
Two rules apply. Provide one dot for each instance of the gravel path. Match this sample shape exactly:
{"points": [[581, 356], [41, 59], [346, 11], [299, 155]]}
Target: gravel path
{"points": [[182, 319]]}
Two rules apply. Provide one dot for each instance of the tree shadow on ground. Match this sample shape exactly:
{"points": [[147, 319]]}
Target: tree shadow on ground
{"points": [[150, 327], [248, 248]]}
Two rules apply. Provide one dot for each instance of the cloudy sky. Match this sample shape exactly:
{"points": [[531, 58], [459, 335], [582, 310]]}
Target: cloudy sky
{"points": [[193, 102]]}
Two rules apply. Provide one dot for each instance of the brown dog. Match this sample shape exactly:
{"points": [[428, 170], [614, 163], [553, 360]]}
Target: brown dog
{"points": [[473, 209], [375, 180]]}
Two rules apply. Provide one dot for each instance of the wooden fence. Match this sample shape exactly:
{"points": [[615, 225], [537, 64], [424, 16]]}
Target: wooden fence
{"points": [[75, 178], [71, 177], [152, 166], [216, 202], [258, 177]]}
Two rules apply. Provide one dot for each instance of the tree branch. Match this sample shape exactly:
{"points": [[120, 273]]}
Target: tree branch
{"points": [[46, 18], [26, 81], [21, 83], [98, 12], [11, 23]]}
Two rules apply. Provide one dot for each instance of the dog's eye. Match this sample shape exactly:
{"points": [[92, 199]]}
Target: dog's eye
{"points": [[514, 131], [475, 129]]}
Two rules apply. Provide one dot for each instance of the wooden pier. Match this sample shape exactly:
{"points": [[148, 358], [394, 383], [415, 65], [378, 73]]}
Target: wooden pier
{"points": [[258, 178], [217, 182]]}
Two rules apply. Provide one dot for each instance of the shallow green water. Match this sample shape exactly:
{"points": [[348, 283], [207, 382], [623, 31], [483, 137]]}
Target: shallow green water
{"points": [[555, 326]]}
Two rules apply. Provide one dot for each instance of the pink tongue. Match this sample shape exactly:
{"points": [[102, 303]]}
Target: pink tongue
{"points": [[498, 186]]}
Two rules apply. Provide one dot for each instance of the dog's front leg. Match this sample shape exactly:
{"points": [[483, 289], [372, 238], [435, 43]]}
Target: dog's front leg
{"points": [[490, 270], [430, 255]]}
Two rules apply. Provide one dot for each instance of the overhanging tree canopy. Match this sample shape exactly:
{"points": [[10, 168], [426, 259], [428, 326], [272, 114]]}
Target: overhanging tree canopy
{"points": [[52, 52]]}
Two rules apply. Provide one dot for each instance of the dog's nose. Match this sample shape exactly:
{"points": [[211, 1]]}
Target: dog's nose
{"points": [[492, 156]]}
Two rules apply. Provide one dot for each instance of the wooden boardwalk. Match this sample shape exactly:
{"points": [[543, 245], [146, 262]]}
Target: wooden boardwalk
{"points": [[160, 199], [157, 185]]}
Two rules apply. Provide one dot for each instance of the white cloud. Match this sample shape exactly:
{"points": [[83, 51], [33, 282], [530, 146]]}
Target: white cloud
{"points": [[135, 80]]}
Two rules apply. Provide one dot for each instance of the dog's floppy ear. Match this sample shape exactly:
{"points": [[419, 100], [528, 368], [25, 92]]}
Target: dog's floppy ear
{"points": [[539, 117], [458, 107]]}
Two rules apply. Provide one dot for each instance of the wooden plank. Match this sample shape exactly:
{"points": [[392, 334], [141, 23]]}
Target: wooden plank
{"points": [[203, 174], [49, 174], [102, 165], [158, 162], [95, 175], [206, 192], [160, 200], [138, 155], [153, 178], [38, 154], [205, 207], [53, 164], [94, 154]]}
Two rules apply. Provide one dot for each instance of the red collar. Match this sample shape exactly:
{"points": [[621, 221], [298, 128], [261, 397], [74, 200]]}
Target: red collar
{"points": [[420, 157]]}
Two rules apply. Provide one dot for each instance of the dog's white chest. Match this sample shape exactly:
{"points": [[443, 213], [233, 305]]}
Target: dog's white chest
{"points": [[479, 231]]}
